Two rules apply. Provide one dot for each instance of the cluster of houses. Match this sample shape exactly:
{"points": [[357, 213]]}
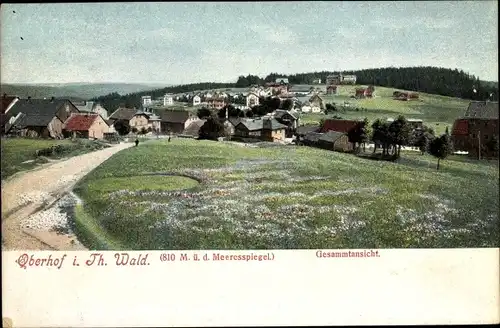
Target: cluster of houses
{"points": [[61, 118], [51, 118]]}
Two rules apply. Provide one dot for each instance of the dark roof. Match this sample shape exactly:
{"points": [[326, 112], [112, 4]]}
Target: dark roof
{"points": [[80, 122], [338, 125], [258, 124], [313, 136], [34, 120], [482, 110], [174, 116], [123, 113], [6, 101], [331, 136], [43, 107], [279, 113], [38, 112], [235, 120], [304, 129]]}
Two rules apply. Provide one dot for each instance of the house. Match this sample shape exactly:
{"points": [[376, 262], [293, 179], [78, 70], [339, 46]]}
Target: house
{"points": [[289, 118], [316, 103], [334, 140], [364, 92], [176, 121], [331, 90], [281, 80], [267, 129], [316, 81], [196, 100], [252, 100], [216, 103], [338, 125], [139, 121], [86, 125], [39, 117], [476, 129], [208, 95], [348, 79], [193, 129], [340, 79], [92, 107], [310, 138], [230, 124], [333, 79], [168, 99], [306, 107], [7, 103], [302, 130], [122, 113], [146, 100]]}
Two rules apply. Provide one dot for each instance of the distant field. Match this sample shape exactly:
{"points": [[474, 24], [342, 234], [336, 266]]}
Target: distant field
{"points": [[282, 197], [436, 111]]}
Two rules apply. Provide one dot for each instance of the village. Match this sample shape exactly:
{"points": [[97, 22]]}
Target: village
{"points": [[271, 112]]}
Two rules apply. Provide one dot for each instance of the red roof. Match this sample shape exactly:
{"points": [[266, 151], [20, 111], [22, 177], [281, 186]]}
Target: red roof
{"points": [[80, 122], [460, 127], [338, 125]]}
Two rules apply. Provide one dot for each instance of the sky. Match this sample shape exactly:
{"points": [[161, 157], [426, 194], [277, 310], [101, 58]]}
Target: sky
{"points": [[178, 43]]}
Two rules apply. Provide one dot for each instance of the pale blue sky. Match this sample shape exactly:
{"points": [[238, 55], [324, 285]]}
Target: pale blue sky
{"points": [[175, 43]]}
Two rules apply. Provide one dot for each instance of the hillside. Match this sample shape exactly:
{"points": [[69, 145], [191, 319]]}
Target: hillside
{"points": [[72, 90], [430, 80], [436, 111]]}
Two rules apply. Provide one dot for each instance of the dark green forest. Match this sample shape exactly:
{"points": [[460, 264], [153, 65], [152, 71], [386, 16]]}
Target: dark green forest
{"points": [[433, 80]]}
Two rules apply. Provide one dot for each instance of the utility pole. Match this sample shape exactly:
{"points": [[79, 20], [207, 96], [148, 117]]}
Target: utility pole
{"points": [[479, 142]]}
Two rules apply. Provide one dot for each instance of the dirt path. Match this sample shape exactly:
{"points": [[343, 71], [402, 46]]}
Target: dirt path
{"points": [[28, 192]]}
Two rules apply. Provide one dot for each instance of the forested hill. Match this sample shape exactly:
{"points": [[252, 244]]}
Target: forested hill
{"points": [[433, 80]]}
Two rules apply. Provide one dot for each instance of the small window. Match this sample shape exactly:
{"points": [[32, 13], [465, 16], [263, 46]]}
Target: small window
{"points": [[486, 136]]}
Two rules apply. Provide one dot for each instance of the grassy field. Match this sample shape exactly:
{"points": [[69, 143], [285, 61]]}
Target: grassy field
{"points": [[19, 154], [282, 197], [436, 111]]}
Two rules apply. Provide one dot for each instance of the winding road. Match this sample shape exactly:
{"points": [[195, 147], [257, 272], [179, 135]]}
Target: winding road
{"points": [[29, 192]]}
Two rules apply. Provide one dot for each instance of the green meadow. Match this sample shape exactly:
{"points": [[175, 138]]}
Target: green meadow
{"points": [[436, 111], [190, 194]]}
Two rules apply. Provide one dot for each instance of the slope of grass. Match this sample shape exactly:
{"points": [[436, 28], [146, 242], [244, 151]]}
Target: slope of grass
{"points": [[436, 111], [289, 197]]}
